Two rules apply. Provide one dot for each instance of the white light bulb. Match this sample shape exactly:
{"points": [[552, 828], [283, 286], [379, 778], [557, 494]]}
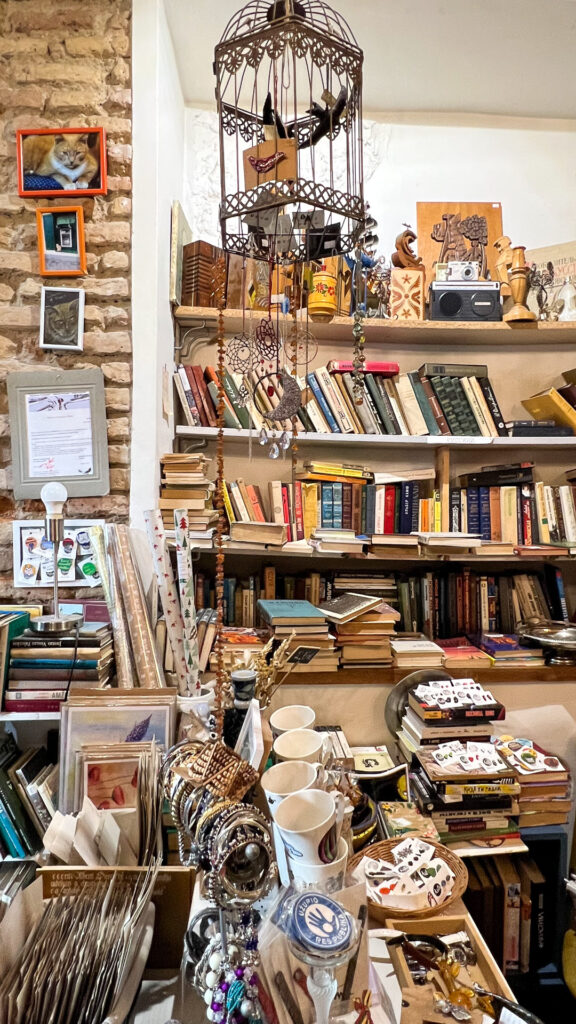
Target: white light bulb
{"points": [[54, 495]]}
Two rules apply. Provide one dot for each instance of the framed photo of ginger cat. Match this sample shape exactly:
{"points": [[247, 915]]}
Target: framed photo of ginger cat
{"points": [[61, 161], [61, 241], [62, 319]]}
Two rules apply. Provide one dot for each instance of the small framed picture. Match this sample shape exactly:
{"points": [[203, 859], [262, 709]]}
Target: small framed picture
{"points": [[61, 240], [62, 319], [53, 161]]}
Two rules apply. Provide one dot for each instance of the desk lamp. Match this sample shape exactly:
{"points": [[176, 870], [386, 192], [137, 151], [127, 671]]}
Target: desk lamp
{"points": [[53, 496]]}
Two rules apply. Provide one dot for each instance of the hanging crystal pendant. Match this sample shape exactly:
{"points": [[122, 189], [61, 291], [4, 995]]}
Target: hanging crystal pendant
{"points": [[284, 441], [273, 451], [263, 437]]}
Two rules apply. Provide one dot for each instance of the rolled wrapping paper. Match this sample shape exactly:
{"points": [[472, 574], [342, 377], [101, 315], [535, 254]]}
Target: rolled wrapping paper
{"points": [[106, 569], [187, 601], [168, 595], [293, 716], [147, 665]]}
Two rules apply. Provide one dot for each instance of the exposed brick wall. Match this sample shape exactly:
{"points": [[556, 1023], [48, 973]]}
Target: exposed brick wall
{"points": [[64, 64]]}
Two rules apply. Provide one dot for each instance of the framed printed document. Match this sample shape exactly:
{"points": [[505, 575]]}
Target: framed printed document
{"points": [[58, 428]]}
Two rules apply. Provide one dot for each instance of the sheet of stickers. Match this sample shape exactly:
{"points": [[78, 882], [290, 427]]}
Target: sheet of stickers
{"points": [[34, 555]]}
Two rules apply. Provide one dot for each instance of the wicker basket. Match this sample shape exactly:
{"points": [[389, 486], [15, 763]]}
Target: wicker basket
{"points": [[383, 851]]}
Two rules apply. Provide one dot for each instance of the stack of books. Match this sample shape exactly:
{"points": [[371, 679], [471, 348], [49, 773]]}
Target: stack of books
{"points": [[22, 824], [554, 409], [416, 653], [459, 653], [310, 628], [363, 627], [545, 789], [337, 542], [505, 650], [511, 901], [183, 484], [42, 668], [505, 504]]}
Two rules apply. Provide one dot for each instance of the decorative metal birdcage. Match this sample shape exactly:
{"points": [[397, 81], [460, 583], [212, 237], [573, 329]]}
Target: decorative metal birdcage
{"points": [[289, 94]]}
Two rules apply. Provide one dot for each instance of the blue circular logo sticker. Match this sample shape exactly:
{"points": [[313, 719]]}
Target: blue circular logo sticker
{"points": [[320, 924]]}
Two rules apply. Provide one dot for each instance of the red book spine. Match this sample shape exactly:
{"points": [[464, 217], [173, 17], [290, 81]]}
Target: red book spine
{"points": [[346, 506], [389, 508], [32, 705], [298, 515], [526, 520], [196, 396], [207, 406], [286, 511], [384, 369], [466, 588], [460, 602], [257, 508]]}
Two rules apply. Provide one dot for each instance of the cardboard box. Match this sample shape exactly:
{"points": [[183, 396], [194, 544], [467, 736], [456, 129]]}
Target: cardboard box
{"points": [[172, 898]]}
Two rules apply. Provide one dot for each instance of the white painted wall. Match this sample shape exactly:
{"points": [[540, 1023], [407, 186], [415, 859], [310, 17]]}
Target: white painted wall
{"points": [[527, 165], [158, 143]]}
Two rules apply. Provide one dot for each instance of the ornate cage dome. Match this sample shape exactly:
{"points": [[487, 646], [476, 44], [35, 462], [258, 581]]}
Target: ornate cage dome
{"points": [[289, 93]]}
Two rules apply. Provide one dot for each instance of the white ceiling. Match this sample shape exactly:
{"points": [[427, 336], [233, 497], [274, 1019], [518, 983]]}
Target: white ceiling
{"points": [[506, 57]]}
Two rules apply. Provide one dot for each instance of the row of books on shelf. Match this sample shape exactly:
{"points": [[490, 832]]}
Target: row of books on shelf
{"points": [[440, 603], [436, 399], [28, 797]]}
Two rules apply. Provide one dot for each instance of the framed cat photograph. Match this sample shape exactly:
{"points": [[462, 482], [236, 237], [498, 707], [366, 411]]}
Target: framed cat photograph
{"points": [[61, 240], [62, 319], [53, 161]]}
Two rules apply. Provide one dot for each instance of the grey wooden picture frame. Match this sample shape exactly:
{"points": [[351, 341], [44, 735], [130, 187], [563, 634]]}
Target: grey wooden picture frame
{"points": [[40, 382]]}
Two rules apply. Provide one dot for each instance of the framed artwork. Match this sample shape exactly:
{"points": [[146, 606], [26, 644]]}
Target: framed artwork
{"points": [[459, 231], [58, 431], [180, 235], [61, 240], [104, 722], [57, 161], [550, 268], [62, 319], [33, 558]]}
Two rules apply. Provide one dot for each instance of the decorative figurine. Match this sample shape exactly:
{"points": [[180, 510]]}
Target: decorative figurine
{"points": [[403, 256], [503, 262], [518, 276], [567, 294]]}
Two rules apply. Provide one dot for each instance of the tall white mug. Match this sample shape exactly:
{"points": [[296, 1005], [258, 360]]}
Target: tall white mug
{"points": [[309, 823], [288, 777], [301, 745], [293, 716]]}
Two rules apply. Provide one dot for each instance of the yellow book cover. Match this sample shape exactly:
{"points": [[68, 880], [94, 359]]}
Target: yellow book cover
{"points": [[550, 405], [437, 512], [227, 504], [310, 508]]}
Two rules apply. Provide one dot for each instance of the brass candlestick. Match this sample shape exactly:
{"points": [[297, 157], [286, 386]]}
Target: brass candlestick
{"points": [[519, 285]]}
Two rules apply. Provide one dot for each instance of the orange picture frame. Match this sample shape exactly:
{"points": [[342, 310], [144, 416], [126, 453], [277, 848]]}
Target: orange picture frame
{"points": [[61, 242], [97, 146]]}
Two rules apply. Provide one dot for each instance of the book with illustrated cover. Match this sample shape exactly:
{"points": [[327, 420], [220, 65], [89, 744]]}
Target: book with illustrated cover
{"points": [[403, 818], [348, 606]]}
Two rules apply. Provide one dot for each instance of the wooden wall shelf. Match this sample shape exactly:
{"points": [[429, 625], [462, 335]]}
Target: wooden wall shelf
{"points": [[391, 676], [410, 558], [394, 332], [387, 441]]}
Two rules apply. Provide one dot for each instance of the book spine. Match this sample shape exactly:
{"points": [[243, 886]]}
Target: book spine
{"points": [[495, 514], [559, 513], [494, 408], [445, 398], [10, 835], [527, 531], [551, 514], [473, 509], [383, 407], [209, 411], [298, 511], [424, 403], [435, 406], [541, 513], [191, 422], [337, 506], [323, 404], [389, 511], [370, 526], [13, 806], [474, 404], [348, 404], [202, 418], [414, 504], [467, 420], [385, 369], [255, 503], [333, 399], [38, 805], [561, 594], [327, 506], [389, 387], [346, 506], [412, 412], [568, 512], [234, 398], [363, 411], [484, 512], [276, 506], [286, 511], [405, 509], [453, 370]]}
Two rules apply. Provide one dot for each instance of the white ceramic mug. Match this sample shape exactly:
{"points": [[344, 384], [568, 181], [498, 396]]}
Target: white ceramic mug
{"points": [[326, 877], [293, 716], [309, 823], [301, 745], [288, 777]]}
